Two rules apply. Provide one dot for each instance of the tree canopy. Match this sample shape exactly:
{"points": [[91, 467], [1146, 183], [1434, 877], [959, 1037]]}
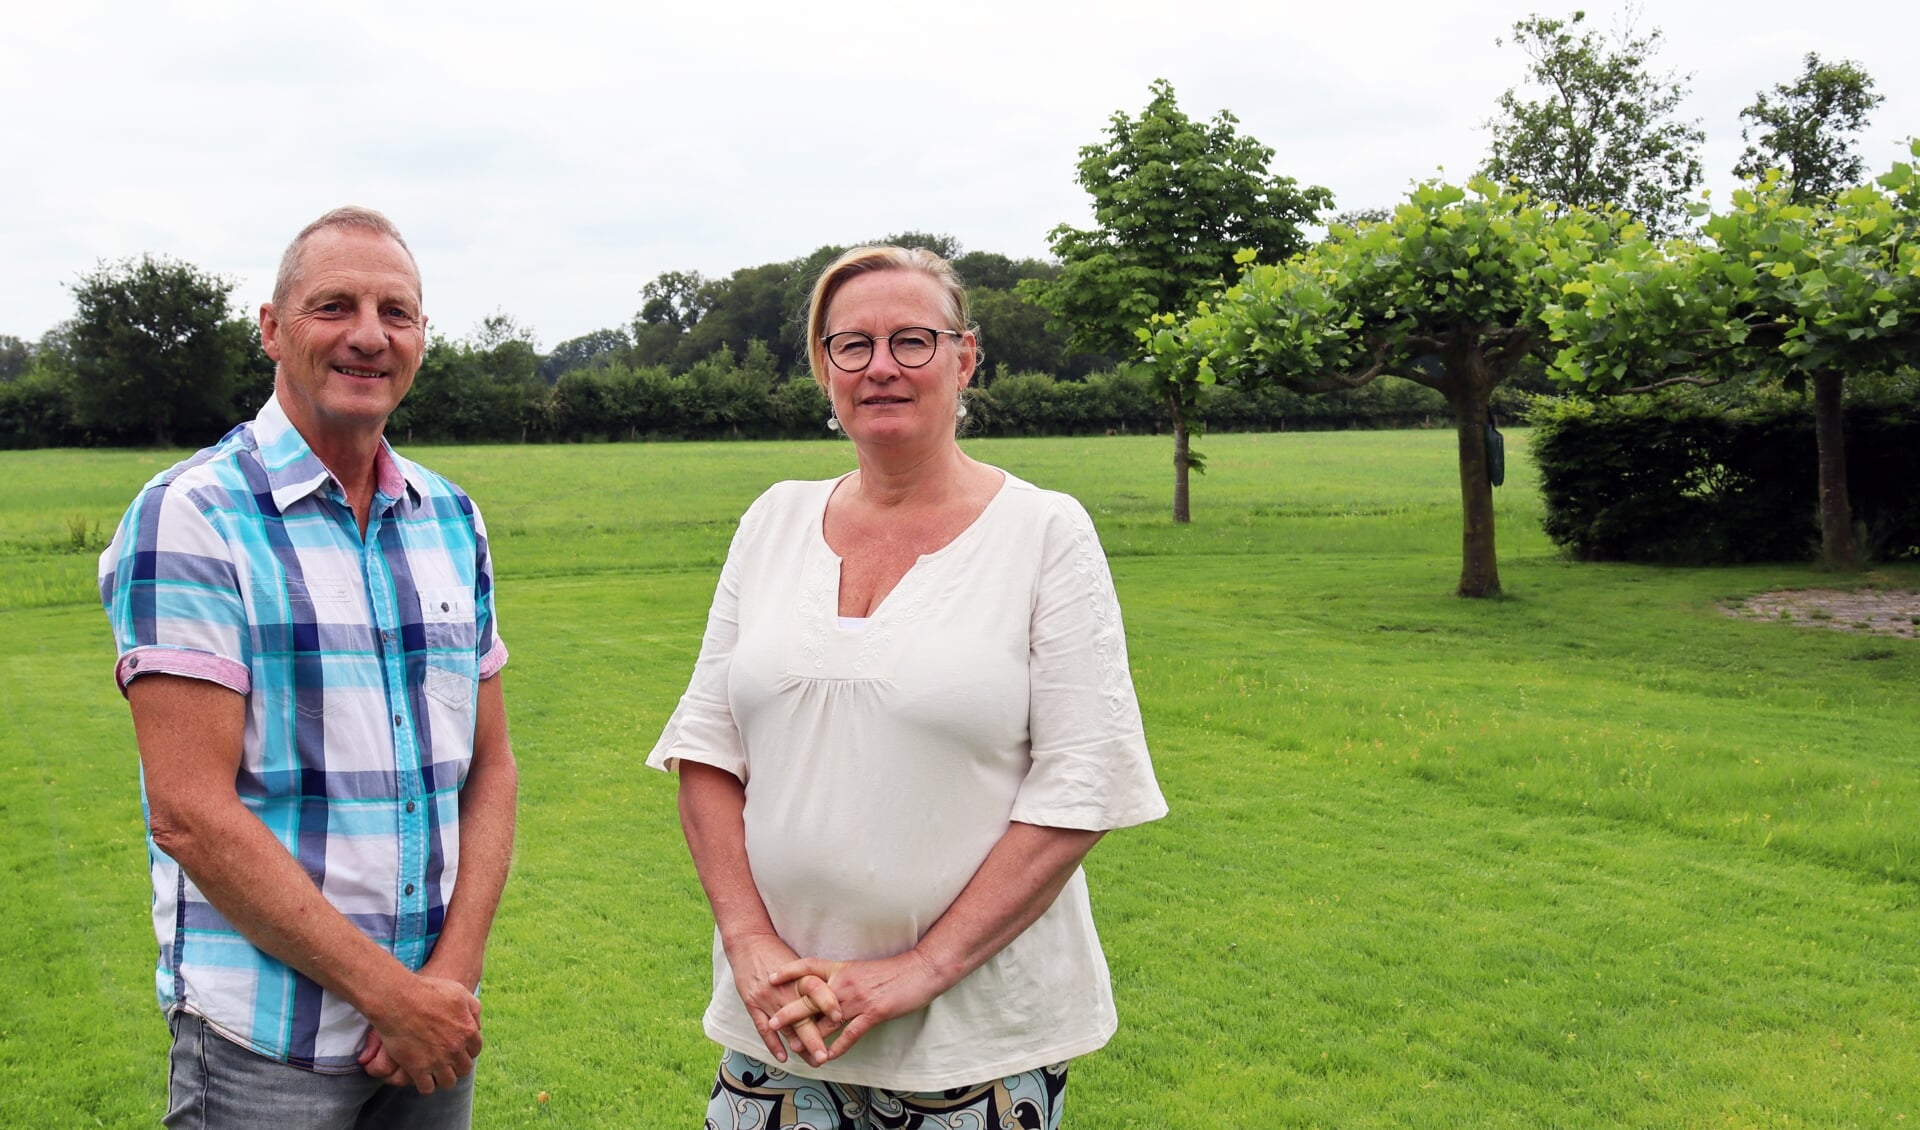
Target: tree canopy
{"points": [[153, 341], [1176, 201], [1605, 133], [1447, 293], [1807, 127], [1802, 294], [581, 352]]}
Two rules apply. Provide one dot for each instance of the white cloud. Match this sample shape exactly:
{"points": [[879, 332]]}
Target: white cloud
{"points": [[549, 159]]}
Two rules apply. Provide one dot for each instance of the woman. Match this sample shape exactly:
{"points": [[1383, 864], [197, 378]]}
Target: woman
{"points": [[910, 720]]}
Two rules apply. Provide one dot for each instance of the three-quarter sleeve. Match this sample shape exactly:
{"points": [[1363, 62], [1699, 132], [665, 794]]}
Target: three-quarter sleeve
{"points": [[1090, 766], [172, 593], [702, 728]]}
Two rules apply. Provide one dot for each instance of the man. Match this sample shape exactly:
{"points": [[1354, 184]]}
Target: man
{"points": [[307, 644]]}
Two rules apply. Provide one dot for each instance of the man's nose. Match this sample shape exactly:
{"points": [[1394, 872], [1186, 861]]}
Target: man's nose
{"points": [[367, 334]]}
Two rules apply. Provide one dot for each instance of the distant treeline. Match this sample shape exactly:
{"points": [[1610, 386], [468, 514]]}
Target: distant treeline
{"points": [[684, 318], [723, 397], [702, 358]]}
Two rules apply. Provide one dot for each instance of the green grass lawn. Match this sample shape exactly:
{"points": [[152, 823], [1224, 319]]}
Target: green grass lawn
{"points": [[1591, 855]]}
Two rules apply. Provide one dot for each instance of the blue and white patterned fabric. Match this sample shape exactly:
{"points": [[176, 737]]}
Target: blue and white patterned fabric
{"points": [[360, 659], [751, 1094]]}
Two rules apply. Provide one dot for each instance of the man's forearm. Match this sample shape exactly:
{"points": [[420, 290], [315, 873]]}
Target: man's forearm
{"points": [[189, 735]]}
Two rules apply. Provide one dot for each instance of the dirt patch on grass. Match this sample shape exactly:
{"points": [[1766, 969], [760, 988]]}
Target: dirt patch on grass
{"points": [[1880, 612]]}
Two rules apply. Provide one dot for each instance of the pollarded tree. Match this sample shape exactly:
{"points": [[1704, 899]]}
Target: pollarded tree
{"points": [[154, 348], [1807, 129], [1605, 134], [1175, 201], [1800, 294], [1446, 293]]}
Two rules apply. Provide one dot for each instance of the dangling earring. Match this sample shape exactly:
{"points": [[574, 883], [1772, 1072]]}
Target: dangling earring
{"points": [[960, 410], [833, 422]]}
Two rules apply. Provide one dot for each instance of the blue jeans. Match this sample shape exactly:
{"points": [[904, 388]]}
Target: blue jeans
{"points": [[215, 1084]]}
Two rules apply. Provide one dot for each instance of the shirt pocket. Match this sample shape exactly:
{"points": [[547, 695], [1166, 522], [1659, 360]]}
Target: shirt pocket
{"points": [[450, 688], [452, 670], [449, 629]]}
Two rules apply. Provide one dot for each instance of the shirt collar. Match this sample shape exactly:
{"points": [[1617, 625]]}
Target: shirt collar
{"points": [[294, 471]]}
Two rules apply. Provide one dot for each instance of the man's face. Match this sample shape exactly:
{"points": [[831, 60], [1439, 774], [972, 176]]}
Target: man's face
{"points": [[351, 336]]}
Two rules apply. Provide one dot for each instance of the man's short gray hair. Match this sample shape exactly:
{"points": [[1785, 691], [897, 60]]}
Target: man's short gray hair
{"points": [[352, 216]]}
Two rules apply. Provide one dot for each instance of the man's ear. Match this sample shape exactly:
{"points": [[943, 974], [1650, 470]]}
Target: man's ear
{"points": [[269, 331]]}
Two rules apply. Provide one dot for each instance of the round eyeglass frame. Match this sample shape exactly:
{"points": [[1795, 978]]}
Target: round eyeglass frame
{"points": [[826, 344]]}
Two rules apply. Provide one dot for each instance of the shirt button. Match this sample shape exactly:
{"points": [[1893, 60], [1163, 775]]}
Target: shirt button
{"points": [[133, 664], [409, 888], [445, 607], [396, 719], [409, 806]]}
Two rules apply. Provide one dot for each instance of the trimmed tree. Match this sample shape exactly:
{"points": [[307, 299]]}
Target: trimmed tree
{"points": [[1446, 293], [1795, 293], [1175, 202]]}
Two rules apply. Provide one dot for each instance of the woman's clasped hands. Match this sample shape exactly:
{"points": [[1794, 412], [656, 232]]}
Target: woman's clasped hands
{"points": [[838, 1002]]}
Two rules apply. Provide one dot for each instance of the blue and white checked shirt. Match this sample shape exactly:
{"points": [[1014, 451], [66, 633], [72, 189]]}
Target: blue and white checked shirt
{"points": [[360, 661]]}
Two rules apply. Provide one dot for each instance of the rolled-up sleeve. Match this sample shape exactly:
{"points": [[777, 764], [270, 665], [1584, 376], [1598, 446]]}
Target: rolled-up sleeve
{"points": [[1091, 768], [172, 593], [491, 650]]}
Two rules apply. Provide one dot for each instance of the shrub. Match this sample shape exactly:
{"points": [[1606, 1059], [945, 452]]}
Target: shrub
{"points": [[1683, 479]]}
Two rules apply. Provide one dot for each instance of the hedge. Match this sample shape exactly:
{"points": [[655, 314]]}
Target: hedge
{"points": [[1692, 482]]}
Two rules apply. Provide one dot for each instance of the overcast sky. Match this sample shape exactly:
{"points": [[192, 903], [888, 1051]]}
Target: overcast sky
{"points": [[547, 159]]}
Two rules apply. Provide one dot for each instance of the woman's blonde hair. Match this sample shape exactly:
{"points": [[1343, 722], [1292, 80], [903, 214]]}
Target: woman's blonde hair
{"points": [[883, 257]]}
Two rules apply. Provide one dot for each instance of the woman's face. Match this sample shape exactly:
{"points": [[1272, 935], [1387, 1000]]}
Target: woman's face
{"points": [[887, 404]]}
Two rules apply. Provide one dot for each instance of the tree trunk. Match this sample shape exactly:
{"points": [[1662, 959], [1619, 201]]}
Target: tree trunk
{"points": [[1181, 513], [1830, 438], [1468, 394]]}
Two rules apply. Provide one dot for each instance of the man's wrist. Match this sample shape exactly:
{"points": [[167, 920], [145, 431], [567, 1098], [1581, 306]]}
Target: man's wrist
{"points": [[382, 995], [453, 965]]}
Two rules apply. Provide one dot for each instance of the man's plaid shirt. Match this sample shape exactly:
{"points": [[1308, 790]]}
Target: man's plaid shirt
{"points": [[359, 659]]}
